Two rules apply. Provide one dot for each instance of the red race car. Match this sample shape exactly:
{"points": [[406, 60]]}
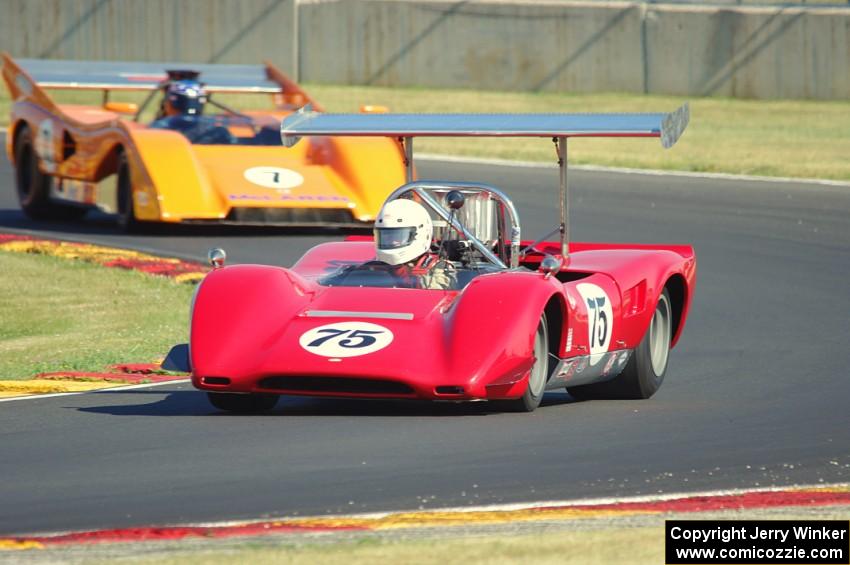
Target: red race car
{"points": [[446, 302]]}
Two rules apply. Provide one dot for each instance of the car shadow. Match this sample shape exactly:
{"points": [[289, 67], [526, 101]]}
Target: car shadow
{"points": [[16, 220], [195, 403], [96, 223]]}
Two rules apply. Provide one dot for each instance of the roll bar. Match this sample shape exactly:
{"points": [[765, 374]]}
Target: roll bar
{"points": [[422, 190]]}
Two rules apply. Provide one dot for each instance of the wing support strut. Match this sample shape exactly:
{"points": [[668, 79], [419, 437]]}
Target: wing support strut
{"points": [[561, 144], [407, 147]]}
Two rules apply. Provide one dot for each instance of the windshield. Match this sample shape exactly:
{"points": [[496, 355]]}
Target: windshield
{"points": [[221, 130], [445, 276]]}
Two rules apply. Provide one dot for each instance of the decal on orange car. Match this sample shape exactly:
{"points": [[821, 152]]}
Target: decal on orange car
{"points": [[277, 178]]}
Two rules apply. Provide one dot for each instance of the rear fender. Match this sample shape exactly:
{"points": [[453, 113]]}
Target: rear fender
{"points": [[45, 143], [24, 92], [641, 272], [640, 293], [238, 313], [491, 326]]}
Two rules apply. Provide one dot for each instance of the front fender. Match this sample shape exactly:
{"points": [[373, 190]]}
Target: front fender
{"points": [[181, 187], [491, 326], [241, 311]]}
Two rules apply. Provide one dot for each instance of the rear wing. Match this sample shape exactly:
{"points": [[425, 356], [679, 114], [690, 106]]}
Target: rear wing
{"points": [[666, 126], [558, 127], [112, 75], [28, 75]]}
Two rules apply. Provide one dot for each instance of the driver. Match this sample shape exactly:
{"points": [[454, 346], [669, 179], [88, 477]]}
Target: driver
{"points": [[403, 232], [183, 99], [181, 110]]}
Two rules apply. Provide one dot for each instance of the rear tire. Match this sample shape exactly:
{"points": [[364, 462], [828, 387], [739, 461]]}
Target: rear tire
{"points": [[645, 371], [243, 403], [33, 186], [537, 376]]}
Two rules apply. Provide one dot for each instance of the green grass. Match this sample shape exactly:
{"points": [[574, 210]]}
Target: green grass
{"points": [[774, 138], [616, 545], [57, 314], [795, 138]]}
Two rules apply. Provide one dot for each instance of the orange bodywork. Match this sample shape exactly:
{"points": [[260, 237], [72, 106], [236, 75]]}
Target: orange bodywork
{"points": [[175, 181]]}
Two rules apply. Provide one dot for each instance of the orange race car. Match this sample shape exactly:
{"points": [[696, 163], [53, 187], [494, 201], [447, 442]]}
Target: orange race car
{"points": [[197, 160]]}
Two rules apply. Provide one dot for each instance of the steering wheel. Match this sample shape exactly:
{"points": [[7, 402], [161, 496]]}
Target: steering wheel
{"points": [[373, 273], [215, 135]]}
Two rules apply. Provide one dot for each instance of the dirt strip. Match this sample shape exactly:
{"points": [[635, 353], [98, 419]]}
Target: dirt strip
{"points": [[83, 381], [832, 496], [13, 389]]}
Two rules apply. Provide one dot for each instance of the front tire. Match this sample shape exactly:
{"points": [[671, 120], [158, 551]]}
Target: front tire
{"points": [[645, 371], [538, 375], [33, 186], [126, 208], [243, 403]]}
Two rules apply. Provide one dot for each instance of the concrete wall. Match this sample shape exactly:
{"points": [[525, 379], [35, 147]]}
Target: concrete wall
{"points": [[504, 46], [535, 45], [749, 52], [209, 31]]}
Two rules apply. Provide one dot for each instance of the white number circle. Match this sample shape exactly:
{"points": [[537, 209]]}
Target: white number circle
{"points": [[274, 177], [346, 339], [600, 319]]}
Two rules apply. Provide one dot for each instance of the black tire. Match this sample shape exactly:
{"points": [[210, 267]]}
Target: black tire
{"points": [[538, 376], [124, 199], [33, 186], [243, 403], [645, 371]]}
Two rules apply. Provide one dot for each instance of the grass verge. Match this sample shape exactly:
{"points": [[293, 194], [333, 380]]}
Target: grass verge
{"points": [[795, 138], [615, 545], [57, 315]]}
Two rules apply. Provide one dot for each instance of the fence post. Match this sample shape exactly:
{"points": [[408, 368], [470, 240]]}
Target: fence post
{"points": [[296, 40], [644, 46]]}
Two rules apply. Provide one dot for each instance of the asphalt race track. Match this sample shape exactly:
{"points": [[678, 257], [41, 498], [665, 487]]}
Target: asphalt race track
{"points": [[756, 394]]}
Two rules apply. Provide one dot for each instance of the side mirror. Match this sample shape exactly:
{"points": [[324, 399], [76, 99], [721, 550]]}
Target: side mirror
{"points": [[455, 199], [121, 107], [550, 265], [216, 256], [374, 109]]}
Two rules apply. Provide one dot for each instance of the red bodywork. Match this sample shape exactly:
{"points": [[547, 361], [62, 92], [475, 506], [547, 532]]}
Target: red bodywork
{"points": [[476, 343]]}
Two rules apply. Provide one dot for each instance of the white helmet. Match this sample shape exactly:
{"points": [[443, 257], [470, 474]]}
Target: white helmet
{"points": [[403, 231]]}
